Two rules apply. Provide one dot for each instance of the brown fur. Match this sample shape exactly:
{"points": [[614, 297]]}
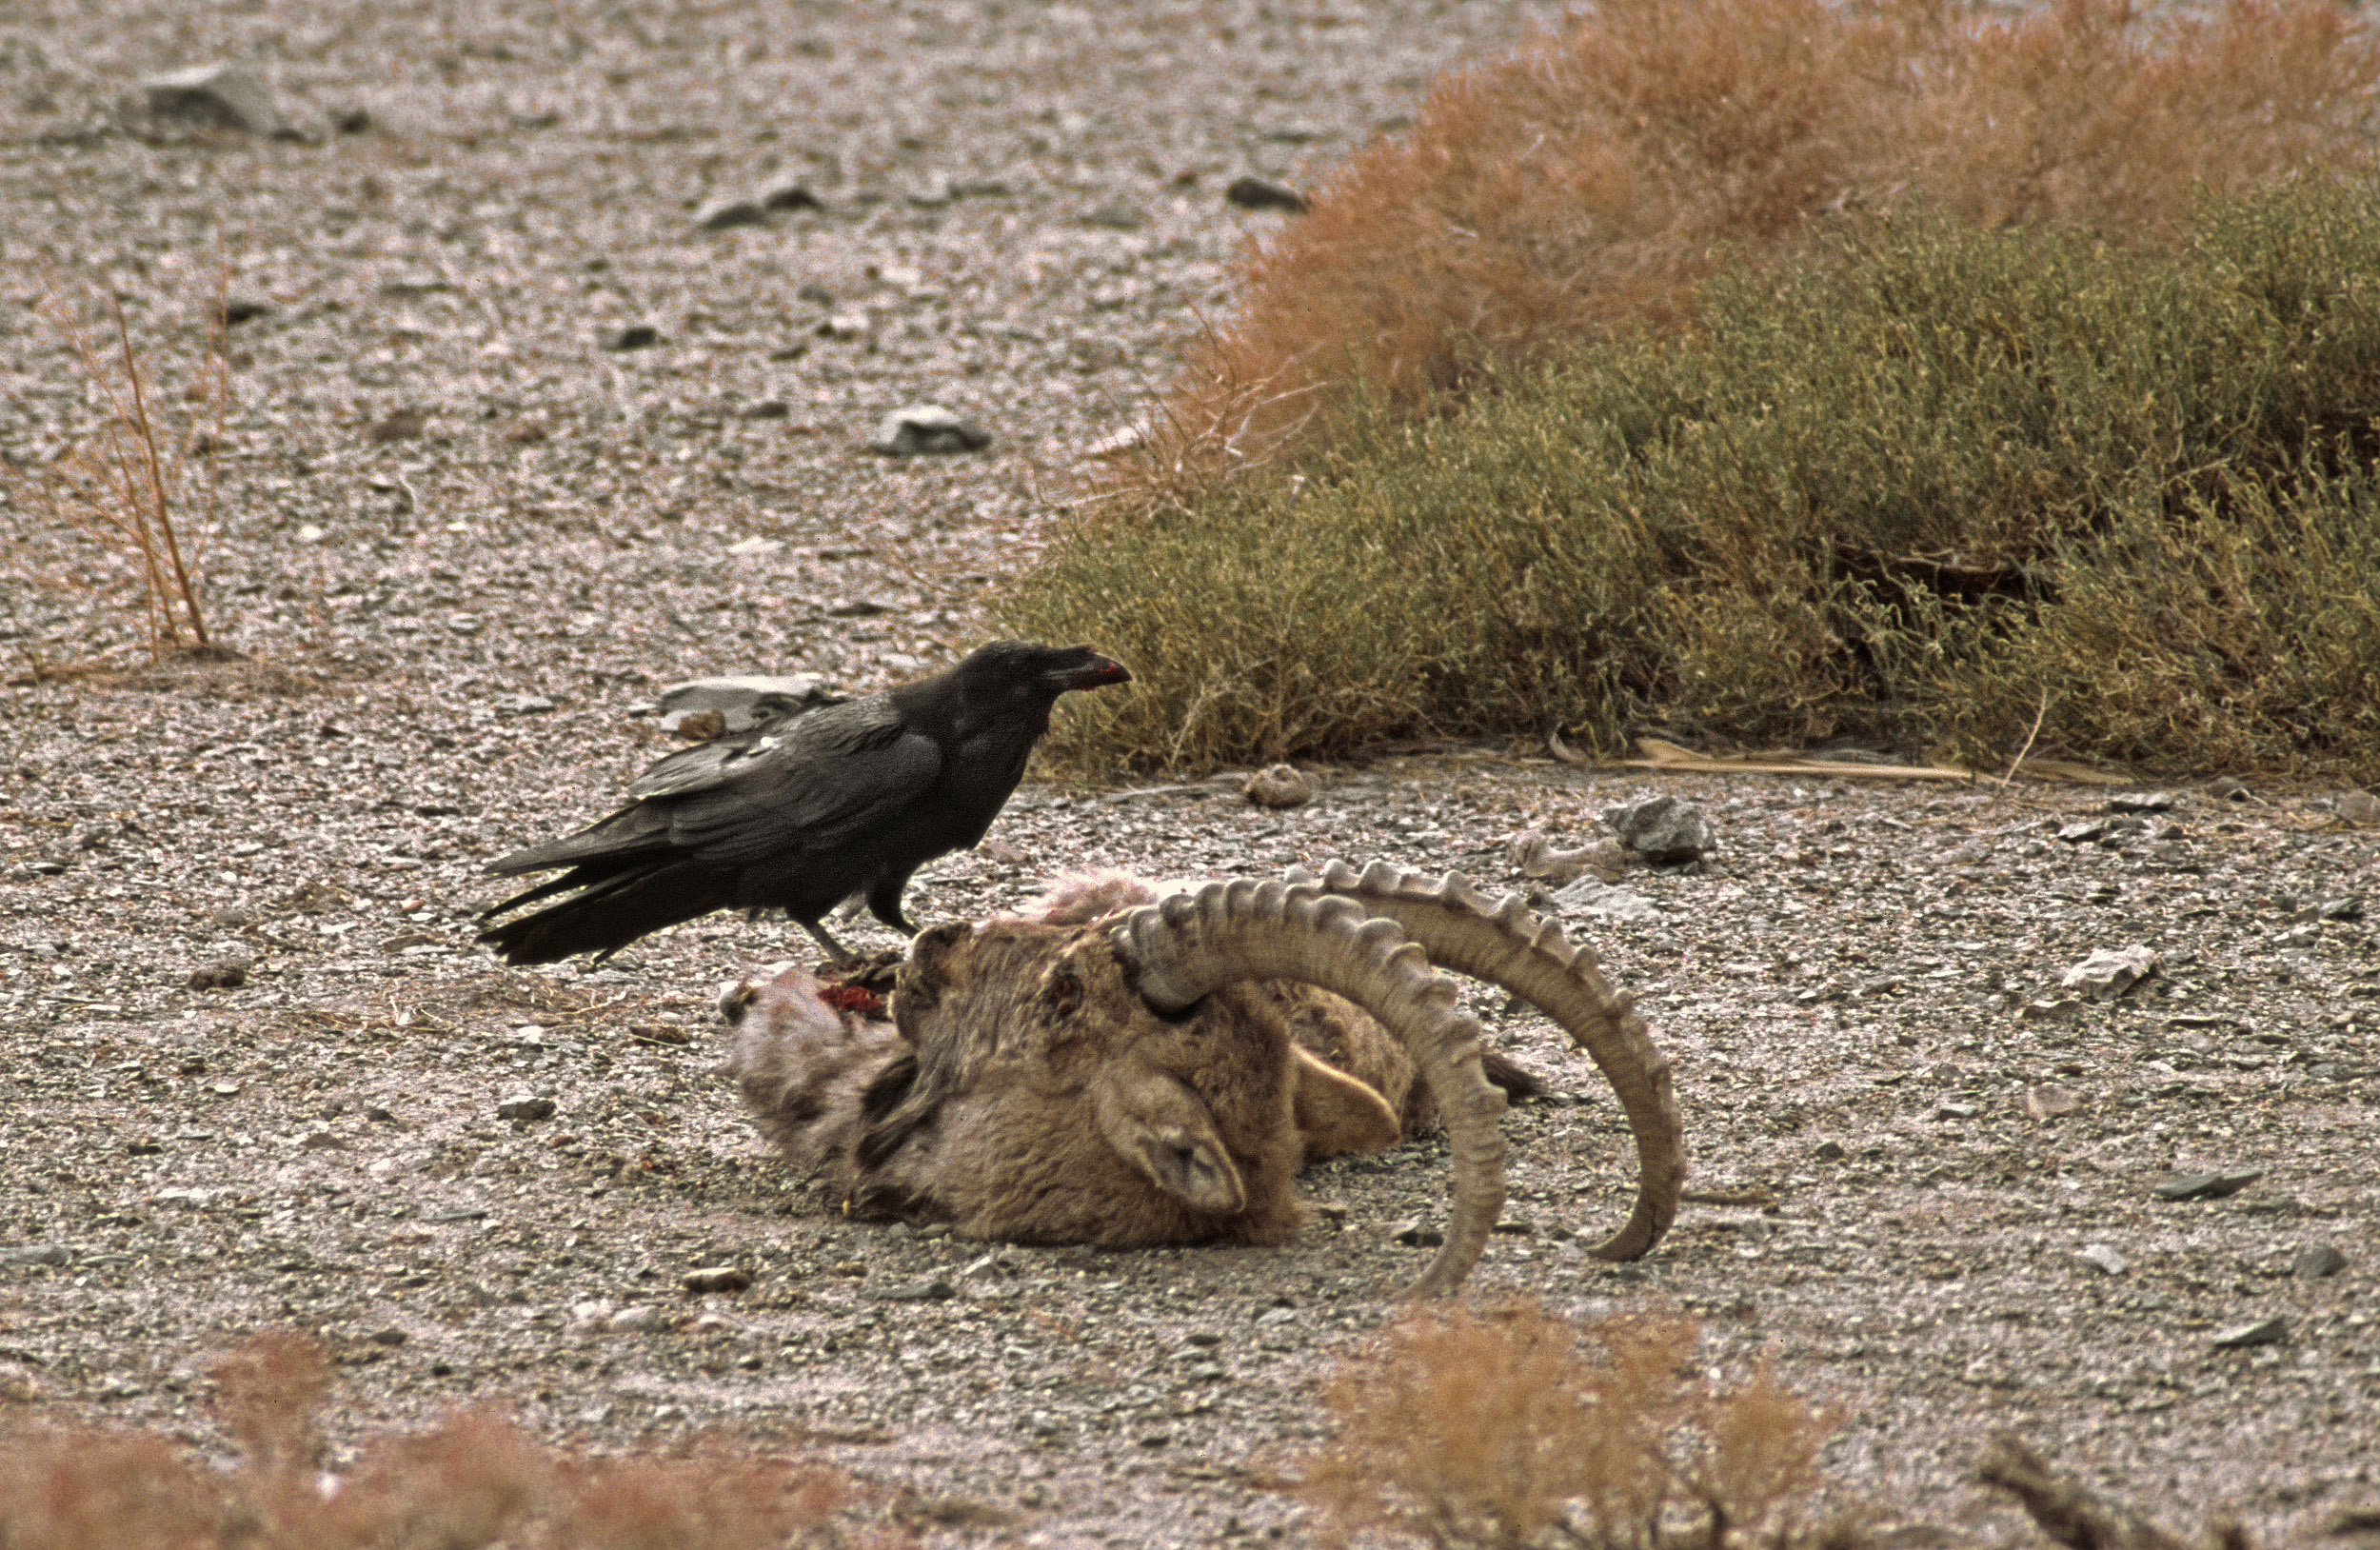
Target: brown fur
{"points": [[1026, 1093]]}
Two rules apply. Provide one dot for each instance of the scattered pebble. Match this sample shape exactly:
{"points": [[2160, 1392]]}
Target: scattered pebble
{"points": [[2104, 1258], [1277, 786], [1661, 828], [927, 428], [2263, 1332], [228, 96], [1259, 193], [2206, 1186]]}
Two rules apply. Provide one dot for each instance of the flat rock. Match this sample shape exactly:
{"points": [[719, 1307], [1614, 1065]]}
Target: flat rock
{"points": [[2263, 1332], [2206, 1186], [734, 212], [1663, 829], [927, 428], [230, 96], [2103, 1258], [741, 701], [1596, 897], [2317, 1262], [2110, 971], [1277, 786], [1261, 193]]}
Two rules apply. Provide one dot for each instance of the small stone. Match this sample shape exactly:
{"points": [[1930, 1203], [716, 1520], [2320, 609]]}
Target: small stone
{"points": [[2064, 1009], [390, 1336], [2317, 1262], [1596, 897], [745, 548], [1277, 786], [1416, 1235], [1828, 1151], [2104, 1258], [51, 1254], [1122, 439], [523, 705], [1955, 1110], [351, 120], [635, 336], [2344, 908], [816, 294], [792, 196], [2357, 807], [2047, 1101], [2263, 1332], [634, 1320], [240, 309], [2227, 789], [2144, 802], [397, 425], [2206, 1186], [927, 428], [767, 409], [734, 212], [321, 1141], [231, 96], [226, 973], [2109, 972], [716, 1278], [937, 1290], [526, 1108], [1663, 829], [844, 326], [1258, 193], [695, 725], [1116, 218]]}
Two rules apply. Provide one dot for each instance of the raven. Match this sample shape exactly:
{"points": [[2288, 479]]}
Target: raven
{"points": [[799, 815]]}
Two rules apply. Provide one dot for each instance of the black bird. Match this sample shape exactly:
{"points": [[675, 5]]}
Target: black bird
{"points": [[799, 816]]}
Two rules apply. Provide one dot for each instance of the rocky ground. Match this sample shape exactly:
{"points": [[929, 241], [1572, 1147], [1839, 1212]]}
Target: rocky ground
{"points": [[464, 538]]}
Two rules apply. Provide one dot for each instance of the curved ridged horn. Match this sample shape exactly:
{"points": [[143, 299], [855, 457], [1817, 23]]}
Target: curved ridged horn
{"points": [[1507, 945], [1193, 944]]}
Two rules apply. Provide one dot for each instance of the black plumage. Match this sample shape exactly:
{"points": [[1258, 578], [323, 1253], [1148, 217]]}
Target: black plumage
{"points": [[843, 802]]}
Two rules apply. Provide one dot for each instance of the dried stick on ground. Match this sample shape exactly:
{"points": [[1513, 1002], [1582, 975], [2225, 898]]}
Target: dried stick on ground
{"points": [[2073, 1516]]}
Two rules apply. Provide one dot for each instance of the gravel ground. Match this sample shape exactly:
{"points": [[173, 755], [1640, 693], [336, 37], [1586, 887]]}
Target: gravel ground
{"points": [[454, 617]]}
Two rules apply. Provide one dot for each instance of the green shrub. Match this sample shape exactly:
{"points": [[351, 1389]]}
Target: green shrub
{"points": [[1913, 488]]}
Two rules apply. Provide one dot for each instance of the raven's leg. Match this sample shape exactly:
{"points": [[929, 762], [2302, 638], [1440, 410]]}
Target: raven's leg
{"points": [[835, 951]]}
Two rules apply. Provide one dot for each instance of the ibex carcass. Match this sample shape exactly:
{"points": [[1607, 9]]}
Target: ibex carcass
{"points": [[1130, 1080]]}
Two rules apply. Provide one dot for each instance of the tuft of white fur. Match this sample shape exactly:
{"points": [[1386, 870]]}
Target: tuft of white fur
{"points": [[1072, 897]]}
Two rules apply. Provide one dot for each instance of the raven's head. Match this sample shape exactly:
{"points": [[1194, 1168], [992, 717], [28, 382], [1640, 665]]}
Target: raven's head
{"points": [[1050, 670]]}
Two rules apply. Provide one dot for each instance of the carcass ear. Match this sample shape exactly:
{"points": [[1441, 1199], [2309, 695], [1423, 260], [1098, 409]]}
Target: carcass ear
{"points": [[1336, 1113], [927, 968], [1163, 1127]]}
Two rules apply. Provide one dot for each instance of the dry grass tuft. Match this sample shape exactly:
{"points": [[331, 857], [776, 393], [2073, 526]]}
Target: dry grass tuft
{"points": [[124, 513], [1515, 1429], [1595, 177], [477, 1480]]}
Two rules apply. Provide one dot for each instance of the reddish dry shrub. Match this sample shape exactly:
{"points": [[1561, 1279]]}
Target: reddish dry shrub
{"points": [[1515, 1428], [1592, 177], [475, 1482]]}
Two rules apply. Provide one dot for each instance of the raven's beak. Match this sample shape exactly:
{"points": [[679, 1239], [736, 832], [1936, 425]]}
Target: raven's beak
{"points": [[1096, 674]]}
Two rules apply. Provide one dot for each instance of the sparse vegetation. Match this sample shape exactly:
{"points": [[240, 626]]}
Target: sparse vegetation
{"points": [[1783, 370], [1921, 490], [1515, 1428], [122, 513], [1594, 178], [477, 1480]]}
